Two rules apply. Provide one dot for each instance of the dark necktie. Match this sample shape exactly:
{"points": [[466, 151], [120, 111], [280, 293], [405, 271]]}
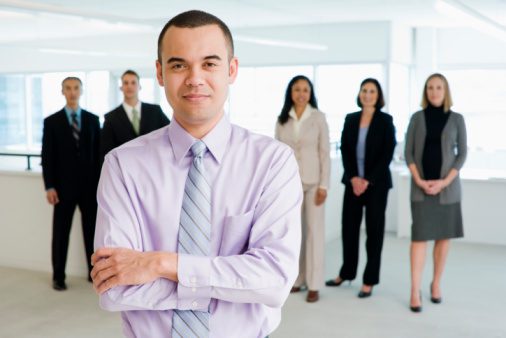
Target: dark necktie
{"points": [[75, 128]]}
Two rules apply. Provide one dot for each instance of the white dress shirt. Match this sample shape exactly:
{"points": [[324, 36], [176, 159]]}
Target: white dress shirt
{"points": [[128, 110]]}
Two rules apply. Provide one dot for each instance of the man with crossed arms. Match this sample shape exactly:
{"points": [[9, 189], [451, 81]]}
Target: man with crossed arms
{"points": [[198, 226]]}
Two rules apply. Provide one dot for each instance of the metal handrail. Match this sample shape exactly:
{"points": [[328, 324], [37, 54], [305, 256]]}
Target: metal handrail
{"points": [[27, 155]]}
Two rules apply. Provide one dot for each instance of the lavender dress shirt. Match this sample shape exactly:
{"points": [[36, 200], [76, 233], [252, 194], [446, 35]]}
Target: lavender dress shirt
{"points": [[255, 234]]}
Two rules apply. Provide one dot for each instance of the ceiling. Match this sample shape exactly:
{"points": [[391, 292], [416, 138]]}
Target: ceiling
{"points": [[93, 27], [46, 19]]}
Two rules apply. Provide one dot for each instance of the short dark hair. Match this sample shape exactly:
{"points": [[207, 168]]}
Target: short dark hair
{"points": [[287, 105], [130, 72], [380, 102], [194, 19], [71, 78]]}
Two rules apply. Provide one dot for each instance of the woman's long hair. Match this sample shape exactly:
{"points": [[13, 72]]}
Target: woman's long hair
{"points": [[283, 117]]}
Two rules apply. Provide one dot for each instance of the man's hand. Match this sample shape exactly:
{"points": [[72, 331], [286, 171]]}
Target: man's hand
{"points": [[52, 197], [119, 266], [359, 185], [320, 197]]}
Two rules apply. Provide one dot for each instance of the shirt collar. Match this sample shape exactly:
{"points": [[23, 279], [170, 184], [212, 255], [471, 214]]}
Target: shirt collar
{"points": [[128, 108], [69, 111], [305, 114], [216, 140]]}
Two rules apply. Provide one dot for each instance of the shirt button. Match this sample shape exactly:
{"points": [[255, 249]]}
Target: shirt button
{"points": [[194, 305], [194, 289], [193, 280], [239, 284]]}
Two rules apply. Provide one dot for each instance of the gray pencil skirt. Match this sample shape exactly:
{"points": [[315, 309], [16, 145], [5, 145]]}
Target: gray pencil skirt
{"points": [[433, 221]]}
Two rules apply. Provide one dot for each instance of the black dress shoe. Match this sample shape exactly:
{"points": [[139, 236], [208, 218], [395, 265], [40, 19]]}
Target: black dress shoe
{"points": [[365, 294], [59, 285], [434, 300], [332, 282]]}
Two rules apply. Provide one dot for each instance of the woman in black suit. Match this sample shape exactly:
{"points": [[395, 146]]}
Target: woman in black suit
{"points": [[367, 146]]}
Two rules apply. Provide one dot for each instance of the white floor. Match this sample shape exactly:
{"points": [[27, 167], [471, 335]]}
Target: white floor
{"points": [[474, 302]]}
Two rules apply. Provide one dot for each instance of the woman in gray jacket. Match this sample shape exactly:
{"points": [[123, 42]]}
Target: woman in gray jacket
{"points": [[436, 148]]}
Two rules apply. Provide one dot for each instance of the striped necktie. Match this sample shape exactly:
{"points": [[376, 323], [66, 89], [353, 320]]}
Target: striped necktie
{"points": [[75, 127], [194, 238]]}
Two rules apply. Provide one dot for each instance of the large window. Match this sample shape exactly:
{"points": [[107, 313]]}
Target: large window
{"points": [[25, 100], [480, 95], [12, 111]]}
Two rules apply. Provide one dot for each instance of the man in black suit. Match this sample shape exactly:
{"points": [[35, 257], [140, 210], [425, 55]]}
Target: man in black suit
{"points": [[70, 167], [132, 118]]}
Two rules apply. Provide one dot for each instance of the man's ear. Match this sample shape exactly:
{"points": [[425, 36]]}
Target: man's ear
{"points": [[159, 73], [233, 70]]}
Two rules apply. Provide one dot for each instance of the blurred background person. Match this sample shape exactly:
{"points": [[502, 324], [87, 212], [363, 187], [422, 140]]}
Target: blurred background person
{"points": [[367, 146], [304, 128], [132, 118], [436, 148], [70, 168]]}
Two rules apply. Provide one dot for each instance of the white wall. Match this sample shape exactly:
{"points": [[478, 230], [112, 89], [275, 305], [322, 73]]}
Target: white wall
{"points": [[25, 221], [26, 217]]}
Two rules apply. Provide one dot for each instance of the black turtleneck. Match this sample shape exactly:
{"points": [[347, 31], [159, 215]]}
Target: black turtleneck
{"points": [[435, 121]]}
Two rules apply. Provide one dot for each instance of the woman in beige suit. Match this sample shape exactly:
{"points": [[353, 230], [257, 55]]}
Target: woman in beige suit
{"points": [[304, 128]]}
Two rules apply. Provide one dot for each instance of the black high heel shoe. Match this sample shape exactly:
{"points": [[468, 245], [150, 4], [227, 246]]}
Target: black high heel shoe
{"points": [[365, 294], [332, 282], [417, 308], [434, 300]]}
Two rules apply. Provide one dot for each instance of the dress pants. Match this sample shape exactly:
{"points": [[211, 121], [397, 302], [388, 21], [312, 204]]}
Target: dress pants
{"points": [[62, 221], [312, 255], [375, 201]]}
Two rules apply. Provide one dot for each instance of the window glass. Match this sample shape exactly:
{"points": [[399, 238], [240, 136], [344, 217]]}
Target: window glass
{"points": [[257, 96], [12, 112], [337, 87]]}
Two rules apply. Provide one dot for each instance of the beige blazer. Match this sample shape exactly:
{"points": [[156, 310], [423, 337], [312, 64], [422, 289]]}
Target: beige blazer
{"points": [[312, 148]]}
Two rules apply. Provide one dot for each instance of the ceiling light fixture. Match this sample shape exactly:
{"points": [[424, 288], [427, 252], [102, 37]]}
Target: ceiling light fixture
{"points": [[280, 43], [471, 17]]}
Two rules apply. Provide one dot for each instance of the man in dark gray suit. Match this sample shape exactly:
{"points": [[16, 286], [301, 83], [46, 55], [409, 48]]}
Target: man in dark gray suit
{"points": [[70, 168], [132, 118]]}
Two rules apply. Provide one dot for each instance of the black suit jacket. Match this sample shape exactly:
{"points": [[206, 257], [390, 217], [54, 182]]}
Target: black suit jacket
{"points": [[69, 169], [118, 129], [379, 148]]}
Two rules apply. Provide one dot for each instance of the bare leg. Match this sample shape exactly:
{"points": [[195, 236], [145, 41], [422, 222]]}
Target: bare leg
{"points": [[418, 252], [440, 253]]}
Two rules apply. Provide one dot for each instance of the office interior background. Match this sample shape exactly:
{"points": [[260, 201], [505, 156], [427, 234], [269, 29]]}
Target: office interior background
{"points": [[335, 43]]}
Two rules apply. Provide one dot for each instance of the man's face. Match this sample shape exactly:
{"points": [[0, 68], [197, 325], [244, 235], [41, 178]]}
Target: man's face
{"points": [[130, 86], [72, 91], [196, 72]]}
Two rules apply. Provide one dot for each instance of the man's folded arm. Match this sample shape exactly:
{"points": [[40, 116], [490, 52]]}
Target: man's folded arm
{"points": [[118, 227], [266, 271]]}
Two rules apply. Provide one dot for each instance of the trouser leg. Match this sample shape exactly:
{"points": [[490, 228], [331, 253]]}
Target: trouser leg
{"points": [[352, 218], [88, 207], [62, 222], [315, 240], [375, 206]]}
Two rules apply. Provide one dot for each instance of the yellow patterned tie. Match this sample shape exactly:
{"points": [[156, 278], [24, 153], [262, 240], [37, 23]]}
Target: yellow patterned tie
{"points": [[135, 120]]}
